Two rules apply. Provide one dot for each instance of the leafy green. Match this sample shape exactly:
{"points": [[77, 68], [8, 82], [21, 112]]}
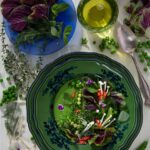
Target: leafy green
{"points": [[52, 29], [57, 8], [92, 140], [143, 146], [66, 33], [110, 112], [84, 41], [45, 28]]}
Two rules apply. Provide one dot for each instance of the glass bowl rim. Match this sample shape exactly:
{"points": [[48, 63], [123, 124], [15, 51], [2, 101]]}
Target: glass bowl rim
{"points": [[97, 29]]}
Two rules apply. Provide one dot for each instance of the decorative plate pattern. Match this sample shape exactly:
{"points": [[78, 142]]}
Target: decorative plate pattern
{"points": [[42, 112]]}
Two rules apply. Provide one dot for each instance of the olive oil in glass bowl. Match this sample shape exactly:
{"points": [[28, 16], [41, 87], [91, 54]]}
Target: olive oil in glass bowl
{"points": [[97, 15]]}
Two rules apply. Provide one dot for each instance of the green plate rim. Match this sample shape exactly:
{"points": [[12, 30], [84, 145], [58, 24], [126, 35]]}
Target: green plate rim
{"points": [[86, 55]]}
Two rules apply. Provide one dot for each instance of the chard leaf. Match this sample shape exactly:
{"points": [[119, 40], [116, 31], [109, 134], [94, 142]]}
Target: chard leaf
{"points": [[57, 8], [110, 112], [54, 31], [67, 97], [52, 23], [92, 90], [92, 140], [66, 33]]}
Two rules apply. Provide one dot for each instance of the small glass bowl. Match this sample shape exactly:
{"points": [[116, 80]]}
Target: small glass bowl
{"points": [[115, 12]]}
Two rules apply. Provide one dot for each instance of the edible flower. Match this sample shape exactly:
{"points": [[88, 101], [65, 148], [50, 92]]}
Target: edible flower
{"points": [[77, 111], [84, 139], [60, 107], [102, 91], [89, 82], [104, 122]]}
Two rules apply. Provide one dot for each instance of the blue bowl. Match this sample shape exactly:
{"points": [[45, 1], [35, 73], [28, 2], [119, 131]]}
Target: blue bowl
{"points": [[68, 18]]}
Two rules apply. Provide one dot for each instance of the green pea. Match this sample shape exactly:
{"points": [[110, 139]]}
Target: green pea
{"points": [[1, 80], [148, 64], [141, 60], [145, 69], [113, 51], [79, 95]]}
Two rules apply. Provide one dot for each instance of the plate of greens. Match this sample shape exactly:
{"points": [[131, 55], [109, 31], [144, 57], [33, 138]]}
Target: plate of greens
{"points": [[39, 27], [84, 101]]}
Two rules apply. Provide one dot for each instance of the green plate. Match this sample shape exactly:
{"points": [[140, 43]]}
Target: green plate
{"points": [[42, 111]]}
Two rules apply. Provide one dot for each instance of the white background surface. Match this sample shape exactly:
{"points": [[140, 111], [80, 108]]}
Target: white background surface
{"points": [[74, 45]]}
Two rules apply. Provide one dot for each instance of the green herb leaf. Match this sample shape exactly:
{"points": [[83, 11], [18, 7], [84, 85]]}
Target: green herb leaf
{"points": [[57, 8], [84, 41], [143, 146], [66, 33], [54, 31]]}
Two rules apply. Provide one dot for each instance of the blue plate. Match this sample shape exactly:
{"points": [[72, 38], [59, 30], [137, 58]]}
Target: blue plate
{"points": [[68, 18]]}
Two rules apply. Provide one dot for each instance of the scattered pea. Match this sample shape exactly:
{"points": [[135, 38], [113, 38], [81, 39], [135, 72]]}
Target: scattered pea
{"points": [[78, 98], [145, 69], [94, 42], [9, 95], [1, 80], [8, 78]]}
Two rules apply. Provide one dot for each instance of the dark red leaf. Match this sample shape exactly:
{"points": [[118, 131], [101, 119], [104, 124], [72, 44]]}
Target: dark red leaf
{"points": [[8, 6], [91, 107], [18, 24], [28, 2], [146, 18], [39, 11], [51, 2], [17, 17]]}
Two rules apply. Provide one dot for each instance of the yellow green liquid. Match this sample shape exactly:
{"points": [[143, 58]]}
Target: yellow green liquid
{"points": [[97, 13]]}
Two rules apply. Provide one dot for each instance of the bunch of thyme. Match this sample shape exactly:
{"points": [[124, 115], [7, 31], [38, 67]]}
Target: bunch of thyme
{"points": [[17, 66]]}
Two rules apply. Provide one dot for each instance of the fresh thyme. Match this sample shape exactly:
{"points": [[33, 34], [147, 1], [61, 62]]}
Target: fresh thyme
{"points": [[18, 68], [13, 123]]}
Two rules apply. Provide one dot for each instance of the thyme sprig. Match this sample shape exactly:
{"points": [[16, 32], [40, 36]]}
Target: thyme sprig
{"points": [[17, 66], [13, 119]]}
